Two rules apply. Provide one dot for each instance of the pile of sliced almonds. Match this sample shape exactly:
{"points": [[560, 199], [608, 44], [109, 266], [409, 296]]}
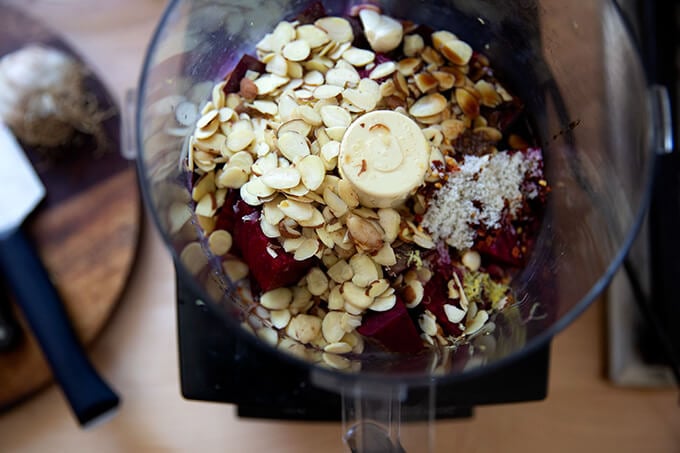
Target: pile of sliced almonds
{"points": [[277, 142]]}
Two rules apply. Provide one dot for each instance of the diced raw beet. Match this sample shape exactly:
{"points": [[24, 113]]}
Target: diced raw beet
{"points": [[393, 329], [435, 296], [233, 79], [309, 15], [360, 40], [503, 245], [226, 217], [270, 272]]}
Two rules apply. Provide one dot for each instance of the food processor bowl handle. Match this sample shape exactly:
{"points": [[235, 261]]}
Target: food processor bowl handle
{"points": [[372, 415]]}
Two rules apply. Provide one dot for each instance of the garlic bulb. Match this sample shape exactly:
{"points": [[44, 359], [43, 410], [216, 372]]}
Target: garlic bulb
{"points": [[41, 95]]}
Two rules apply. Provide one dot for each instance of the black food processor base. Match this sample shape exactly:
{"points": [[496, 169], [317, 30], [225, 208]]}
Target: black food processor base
{"points": [[218, 366]]}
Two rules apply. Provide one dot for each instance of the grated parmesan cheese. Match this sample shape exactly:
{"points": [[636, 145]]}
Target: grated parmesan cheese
{"points": [[477, 194]]}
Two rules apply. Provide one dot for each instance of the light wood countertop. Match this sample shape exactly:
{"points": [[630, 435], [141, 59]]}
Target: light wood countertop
{"points": [[137, 351]]}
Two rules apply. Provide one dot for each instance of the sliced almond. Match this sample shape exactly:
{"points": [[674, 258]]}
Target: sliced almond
{"points": [[313, 35], [327, 91], [339, 347], [309, 115], [317, 281], [467, 102], [347, 193], [281, 178], [331, 327], [304, 328], [365, 96], [233, 178], [441, 37], [297, 50], [312, 171], [293, 146], [426, 82], [295, 125], [355, 295], [383, 70], [342, 77], [235, 269], [337, 28], [385, 256], [413, 293], [456, 51], [428, 105], [277, 65], [364, 234], [363, 269], [428, 323], [280, 318], [257, 188], [306, 250], [296, 210], [383, 303], [267, 83], [413, 44], [336, 132], [266, 107], [477, 322], [240, 139], [409, 66], [334, 116], [276, 299], [220, 242], [314, 78], [358, 57], [453, 313], [335, 203], [336, 361]]}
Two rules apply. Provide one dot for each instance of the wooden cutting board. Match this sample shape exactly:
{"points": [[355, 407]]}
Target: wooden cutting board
{"points": [[86, 230]]}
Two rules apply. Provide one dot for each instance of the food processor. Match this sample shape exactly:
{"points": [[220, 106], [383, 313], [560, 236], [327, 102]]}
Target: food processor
{"points": [[599, 124]]}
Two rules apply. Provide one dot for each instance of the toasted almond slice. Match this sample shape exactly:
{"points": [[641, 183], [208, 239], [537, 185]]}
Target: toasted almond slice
{"points": [[445, 80], [312, 171], [383, 303], [337, 28], [439, 38], [379, 288], [277, 65], [313, 35], [358, 57], [335, 116], [489, 95], [425, 82], [413, 44], [413, 293], [409, 66], [297, 125], [267, 83], [383, 70], [296, 210], [456, 51], [467, 102], [431, 104]]}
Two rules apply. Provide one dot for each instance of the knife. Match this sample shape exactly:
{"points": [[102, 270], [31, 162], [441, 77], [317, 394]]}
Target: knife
{"points": [[21, 190]]}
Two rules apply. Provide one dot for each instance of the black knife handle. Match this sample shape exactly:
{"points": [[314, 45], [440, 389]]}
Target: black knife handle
{"points": [[89, 396], [9, 330]]}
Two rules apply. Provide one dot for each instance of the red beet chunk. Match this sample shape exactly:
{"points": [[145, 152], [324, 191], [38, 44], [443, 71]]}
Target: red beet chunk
{"points": [[435, 296], [226, 217], [309, 15], [393, 329], [247, 62], [270, 272], [503, 245]]}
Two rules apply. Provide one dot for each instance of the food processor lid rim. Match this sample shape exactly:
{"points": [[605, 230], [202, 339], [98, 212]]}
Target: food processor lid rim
{"points": [[534, 344]]}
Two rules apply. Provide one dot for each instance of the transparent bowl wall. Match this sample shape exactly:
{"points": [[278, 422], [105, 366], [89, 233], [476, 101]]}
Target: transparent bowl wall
{"points": [[574, 65]]}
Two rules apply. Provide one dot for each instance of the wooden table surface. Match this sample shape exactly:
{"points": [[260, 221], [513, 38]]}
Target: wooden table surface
{"points": [[137, 351]]}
